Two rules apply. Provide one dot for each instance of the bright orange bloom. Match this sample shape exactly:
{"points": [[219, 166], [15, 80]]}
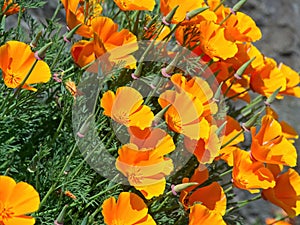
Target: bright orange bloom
{"points": [[129, 209], [241, 27], [250, 175], [287, 130], [199, 214], [125, 107], [270, 221], [205, 149], [190, 105], [15, 66], [107, 38], [210, 37], [78, 13], [286, 193], [292, 81], [16, 200], [268, 144], [232, 129], [211, 196], [267, 78], [10, 7], [185, 6], [143, 162], [127, 5]]}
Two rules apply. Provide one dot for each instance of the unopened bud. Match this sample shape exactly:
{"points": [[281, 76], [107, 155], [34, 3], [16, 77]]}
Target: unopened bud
{"points": [[40, 54], [71, 33], [195, 12], [242, 69], [167, 19], [272, 97], [180, 187], [238, 5], [60, 219], [36, 39]]}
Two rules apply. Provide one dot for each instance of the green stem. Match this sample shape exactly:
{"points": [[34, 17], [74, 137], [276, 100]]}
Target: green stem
{"points": [[53, 186], [58, 55], [19, 87]]}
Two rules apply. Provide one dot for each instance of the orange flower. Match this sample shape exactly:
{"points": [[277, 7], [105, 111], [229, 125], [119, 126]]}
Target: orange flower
{"points": [[270, 221], [268, 144], [286, 193], [125, 107], [287, 130], [267, 78], [144, 164], [107, 38], [205, 149], [211, 196], [211, 37], [15, 66], [82, 15], [241, 27], [16, 200], [231, 130], [129, 209], [199, 214], [190, 105], [10, 8], [127, 5], [250, 175], [292, 81], [185, 6]]}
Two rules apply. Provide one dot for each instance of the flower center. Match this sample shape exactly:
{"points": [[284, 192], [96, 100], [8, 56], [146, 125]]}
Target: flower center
{"points": [[122, 117], [135, 176], [5, 213]]}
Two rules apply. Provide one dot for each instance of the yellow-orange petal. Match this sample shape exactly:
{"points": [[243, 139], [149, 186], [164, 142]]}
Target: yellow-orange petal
{"points": [[7, 185], [128, 5], [199, 214], [23, 199]]}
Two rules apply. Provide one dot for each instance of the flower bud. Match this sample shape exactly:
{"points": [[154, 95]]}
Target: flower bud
{"points": [[167, 19], [40, 54], [272, 97], [60, 219], [36, 39], [71, 33], [195, 12], [242, 69]]}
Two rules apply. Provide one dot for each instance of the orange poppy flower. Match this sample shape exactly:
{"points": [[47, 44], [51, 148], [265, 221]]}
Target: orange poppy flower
{"points": [[190, 105], [231, 130], [268, 144], [107, 38], [211, 37], [292, 81], [250, 175], [143, 162], [127, 5], [16, 200], [241, 27], [15, 66], [82, 13], [211, 196], [185, 6], [271, 221], [10, 7], [129, 209], [286, 193], [205, 149], [199, 214], [267, 78], [287, 130], [125, 107]]}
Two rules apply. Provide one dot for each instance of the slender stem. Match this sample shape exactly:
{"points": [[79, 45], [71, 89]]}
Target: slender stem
{"points": [[58, 55], [53, 186]]}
